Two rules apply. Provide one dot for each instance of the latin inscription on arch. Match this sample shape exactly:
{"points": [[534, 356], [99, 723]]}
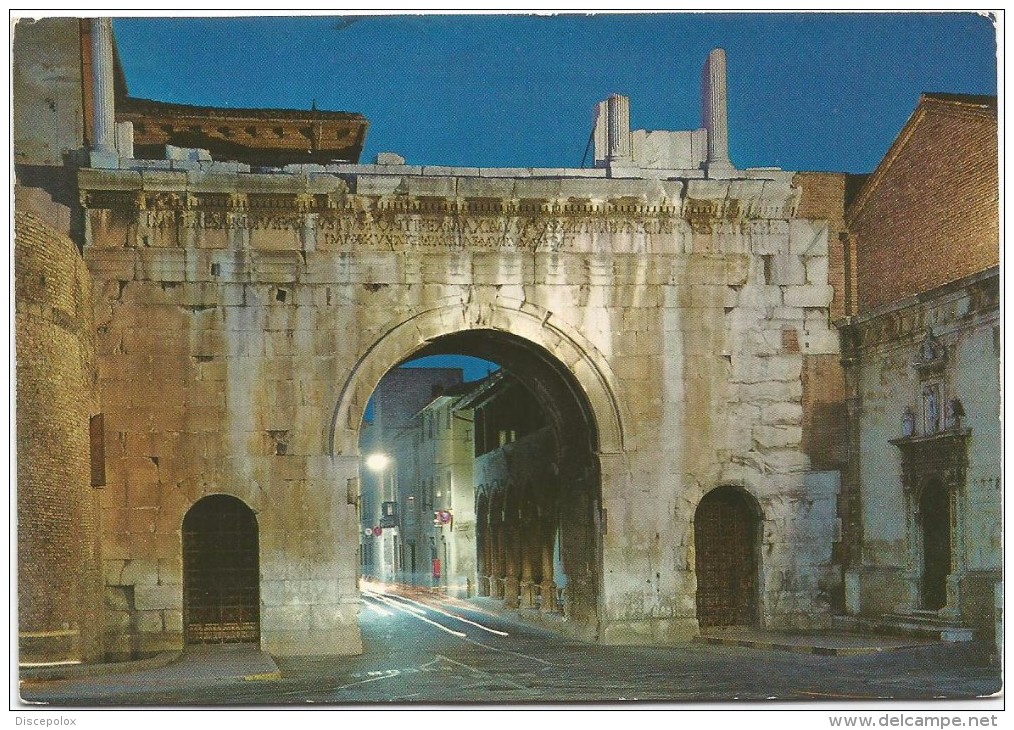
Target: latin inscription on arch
{"points": [[526, 233], [398, 230], [350, 222]]}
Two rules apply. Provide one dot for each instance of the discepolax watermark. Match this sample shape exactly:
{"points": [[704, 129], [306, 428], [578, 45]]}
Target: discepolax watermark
{"points": [[45, 721]]}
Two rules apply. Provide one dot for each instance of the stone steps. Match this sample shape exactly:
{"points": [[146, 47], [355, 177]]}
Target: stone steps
{"points": [[918, 623]]}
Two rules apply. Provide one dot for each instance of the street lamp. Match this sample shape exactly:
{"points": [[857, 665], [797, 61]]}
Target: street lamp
{"points": [[380, 464], [377, 462]]}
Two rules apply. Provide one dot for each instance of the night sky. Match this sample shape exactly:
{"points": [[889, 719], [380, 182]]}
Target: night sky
{"points": [[808, 91]]}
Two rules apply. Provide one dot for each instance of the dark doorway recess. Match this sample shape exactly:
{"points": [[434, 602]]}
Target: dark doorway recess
{"points": [[726, 533], [935, 510], [221, 597]]}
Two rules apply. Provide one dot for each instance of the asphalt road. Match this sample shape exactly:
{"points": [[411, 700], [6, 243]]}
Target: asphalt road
{"points": [[426, 649]]}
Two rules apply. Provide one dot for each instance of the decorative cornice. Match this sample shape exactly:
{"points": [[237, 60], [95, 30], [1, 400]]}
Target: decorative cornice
{"points": [[943, 454], [271, 137], [913, 443], [907, 321], [702, 216]]}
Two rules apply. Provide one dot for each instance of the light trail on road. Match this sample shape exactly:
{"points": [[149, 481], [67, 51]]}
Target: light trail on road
{"points": [[395, 601], [385, 598], [377, 609], [449, 615], [414, 612]]}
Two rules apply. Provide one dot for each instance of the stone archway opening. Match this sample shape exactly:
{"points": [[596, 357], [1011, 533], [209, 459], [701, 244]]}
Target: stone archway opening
{"points": [[526, 530], [221, 576], [727, 541]]}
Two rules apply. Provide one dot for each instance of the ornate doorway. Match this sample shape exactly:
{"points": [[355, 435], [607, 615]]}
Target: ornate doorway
{"points": [[221, 577], [935, 511], [725, 536], [933, 478]]}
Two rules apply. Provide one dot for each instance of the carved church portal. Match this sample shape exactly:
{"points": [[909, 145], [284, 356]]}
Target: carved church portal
{"points": [[221, 599], [935, 510], [725, 534], [933, 476]]}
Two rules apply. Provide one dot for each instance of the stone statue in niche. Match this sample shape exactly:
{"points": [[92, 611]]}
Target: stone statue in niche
{"points": [[931, 408], [955, 412], [931, 348], [908, 422]]}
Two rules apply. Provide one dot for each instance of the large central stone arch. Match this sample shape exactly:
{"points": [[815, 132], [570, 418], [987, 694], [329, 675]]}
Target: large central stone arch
{"points": [[557, 363], [412, 331]]}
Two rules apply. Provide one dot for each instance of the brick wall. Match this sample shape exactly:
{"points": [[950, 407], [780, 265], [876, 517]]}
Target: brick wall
{"points": [[59, 610], [823, 423], [824, 199], [932, 215]]}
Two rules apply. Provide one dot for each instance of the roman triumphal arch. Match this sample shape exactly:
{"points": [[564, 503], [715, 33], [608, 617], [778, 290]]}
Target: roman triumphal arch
{"points": [[244, 318]]}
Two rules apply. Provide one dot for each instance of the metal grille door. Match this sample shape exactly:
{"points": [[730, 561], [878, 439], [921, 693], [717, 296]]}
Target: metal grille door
{"points": [[220, 573], [725, 532]]}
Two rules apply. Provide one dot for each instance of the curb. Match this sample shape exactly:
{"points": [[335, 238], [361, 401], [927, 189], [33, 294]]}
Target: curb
{"points": [[78, 671], [263, 677], [803, 649]]}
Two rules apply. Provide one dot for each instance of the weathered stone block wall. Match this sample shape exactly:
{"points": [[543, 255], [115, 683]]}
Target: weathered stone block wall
{"points": [[823, 198], [237, 311], [823, 420], [59, 601], [202, 396], [48, 120], [932, 217]]}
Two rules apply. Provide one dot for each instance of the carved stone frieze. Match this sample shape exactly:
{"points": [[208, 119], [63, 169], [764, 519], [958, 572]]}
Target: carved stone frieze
{"points": [[984, 294], [336, 220], [387, 228], [909, 323], [117, 200]]}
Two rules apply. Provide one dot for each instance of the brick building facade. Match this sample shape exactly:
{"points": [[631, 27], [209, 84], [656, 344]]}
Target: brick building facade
{"points": [[930, 214], [921, 349], [59, 604]]}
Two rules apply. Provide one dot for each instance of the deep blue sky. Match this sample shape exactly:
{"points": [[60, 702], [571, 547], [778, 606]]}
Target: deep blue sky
{"points": [[807, 91], [474, 368]]}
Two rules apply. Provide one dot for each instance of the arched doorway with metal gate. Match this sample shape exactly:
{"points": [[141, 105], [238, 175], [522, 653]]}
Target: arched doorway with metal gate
{"points": [[726, 540], [221, 575]]}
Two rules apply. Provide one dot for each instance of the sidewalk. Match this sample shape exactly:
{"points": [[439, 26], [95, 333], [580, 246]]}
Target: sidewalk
{"points": [[832, 642], [198, 666], [821, 644]]}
